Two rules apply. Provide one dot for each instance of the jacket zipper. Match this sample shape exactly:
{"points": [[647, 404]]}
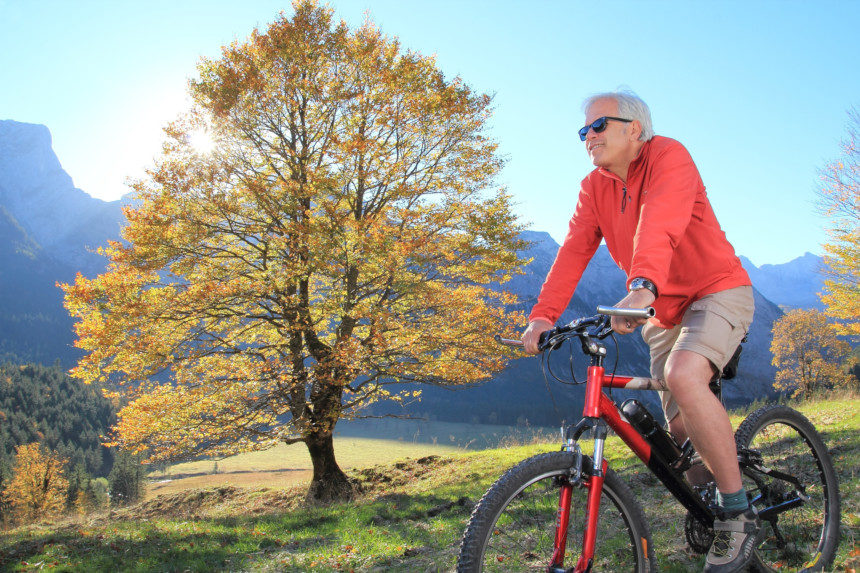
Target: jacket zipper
{"points": [[624, 198]]}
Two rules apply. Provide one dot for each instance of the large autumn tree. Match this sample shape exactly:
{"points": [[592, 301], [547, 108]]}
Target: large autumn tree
{"points": [[344, 235], [808, 354], [839, 199]]}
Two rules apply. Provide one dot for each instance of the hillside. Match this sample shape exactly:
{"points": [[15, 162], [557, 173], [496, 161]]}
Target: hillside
{"points": [[409, 518], [34, 327], [43, 404]]}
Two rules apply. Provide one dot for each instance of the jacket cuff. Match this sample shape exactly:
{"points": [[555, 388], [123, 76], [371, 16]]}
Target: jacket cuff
{"points": [[534, 318]]}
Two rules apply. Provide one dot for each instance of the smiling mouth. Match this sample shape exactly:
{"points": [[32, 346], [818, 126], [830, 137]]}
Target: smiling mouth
{"points": [[594, 146]]}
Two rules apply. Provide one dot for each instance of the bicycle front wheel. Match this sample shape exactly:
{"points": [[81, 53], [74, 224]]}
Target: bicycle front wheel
{"points": [[513, 526], [804, 537]]}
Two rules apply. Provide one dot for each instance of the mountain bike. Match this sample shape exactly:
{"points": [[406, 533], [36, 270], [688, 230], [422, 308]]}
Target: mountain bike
{"points": [[567, 507]]}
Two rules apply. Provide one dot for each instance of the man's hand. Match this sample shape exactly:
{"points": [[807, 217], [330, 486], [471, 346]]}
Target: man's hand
{"points": [[640, 298], [531, 336]]}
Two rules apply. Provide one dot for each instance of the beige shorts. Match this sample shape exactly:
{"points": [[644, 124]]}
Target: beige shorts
{"points": [[713, 327]]}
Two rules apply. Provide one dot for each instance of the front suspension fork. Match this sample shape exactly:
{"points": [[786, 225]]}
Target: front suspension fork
{"points": [[594, 484]]}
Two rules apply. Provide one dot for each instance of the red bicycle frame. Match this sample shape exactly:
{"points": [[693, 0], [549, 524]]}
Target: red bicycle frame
{"points": [[599, 407]]}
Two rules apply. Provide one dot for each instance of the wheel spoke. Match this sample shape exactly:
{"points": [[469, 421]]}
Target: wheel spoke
{"points": [[513, 527], [788, 445]]}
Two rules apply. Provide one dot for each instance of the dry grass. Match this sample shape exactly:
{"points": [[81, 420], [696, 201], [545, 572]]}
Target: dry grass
{"points": [[283, 466], [274, 479]]}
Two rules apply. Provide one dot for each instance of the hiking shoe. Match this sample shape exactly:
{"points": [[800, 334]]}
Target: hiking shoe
{"points": [[735, 538]]}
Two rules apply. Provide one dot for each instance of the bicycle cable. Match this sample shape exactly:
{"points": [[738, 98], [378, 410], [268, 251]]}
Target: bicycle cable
{"points": [[614, 366], [546, 367]]}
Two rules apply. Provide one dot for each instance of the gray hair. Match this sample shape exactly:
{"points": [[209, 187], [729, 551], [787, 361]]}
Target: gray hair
{"points": [[630, 106]]}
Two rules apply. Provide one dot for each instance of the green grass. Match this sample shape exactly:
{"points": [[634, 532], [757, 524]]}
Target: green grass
{"points": [[357, 445], [350, 452], [409, 518]]}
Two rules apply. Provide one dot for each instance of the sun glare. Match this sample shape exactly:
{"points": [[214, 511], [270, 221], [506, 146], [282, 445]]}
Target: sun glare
{"points": [[201, 141]]}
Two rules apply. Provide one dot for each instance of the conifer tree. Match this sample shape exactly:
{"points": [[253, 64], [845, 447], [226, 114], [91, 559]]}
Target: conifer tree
{"points": [[127, 479]]}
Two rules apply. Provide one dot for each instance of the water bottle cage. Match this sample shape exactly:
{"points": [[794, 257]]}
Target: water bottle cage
{"points": [[685, 461]]}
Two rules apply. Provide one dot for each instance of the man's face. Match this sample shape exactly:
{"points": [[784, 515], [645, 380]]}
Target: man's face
{"points": [[611, 146]]}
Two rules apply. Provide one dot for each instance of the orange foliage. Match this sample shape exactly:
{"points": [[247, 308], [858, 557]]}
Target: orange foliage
{"points": [[807, 353], [343, 236], [38, 486], [839, 199]]}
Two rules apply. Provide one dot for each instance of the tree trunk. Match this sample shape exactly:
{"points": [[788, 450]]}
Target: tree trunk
{"points": [[329, 483]]}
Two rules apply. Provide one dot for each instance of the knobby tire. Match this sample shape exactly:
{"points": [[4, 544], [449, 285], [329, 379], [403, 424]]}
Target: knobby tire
{"points": [[512, 528], [803, 538]]}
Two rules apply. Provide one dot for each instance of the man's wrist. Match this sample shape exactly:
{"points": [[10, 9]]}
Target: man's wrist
{"points": [[643, 283]]}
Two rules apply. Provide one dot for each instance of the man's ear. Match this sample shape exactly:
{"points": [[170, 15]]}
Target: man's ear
{"points": [[635, 130]]}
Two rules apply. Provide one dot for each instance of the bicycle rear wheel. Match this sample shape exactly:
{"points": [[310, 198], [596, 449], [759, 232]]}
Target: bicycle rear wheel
{"points": [[513, 526], [805, 537]]}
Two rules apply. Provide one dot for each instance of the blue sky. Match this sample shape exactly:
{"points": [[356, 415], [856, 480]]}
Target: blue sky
{"points": [[757, 91]]}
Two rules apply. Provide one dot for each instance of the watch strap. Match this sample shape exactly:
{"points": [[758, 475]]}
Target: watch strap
{"points": [[640, 283]]}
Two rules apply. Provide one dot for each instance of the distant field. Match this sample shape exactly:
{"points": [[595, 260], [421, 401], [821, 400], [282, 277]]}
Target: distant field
{"points": [[460, 435], [358, 444]]}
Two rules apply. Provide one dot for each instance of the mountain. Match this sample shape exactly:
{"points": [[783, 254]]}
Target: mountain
{"points": [[35, 190], [48, 229], [794, 284], [33, 324], [520, 393]]}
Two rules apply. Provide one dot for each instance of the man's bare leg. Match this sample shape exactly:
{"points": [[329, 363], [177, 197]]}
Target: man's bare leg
{"points": [[703, 417], [698, 474]]}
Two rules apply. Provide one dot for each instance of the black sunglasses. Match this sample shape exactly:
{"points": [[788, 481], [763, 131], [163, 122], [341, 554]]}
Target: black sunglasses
{"points": [[599, 125]]}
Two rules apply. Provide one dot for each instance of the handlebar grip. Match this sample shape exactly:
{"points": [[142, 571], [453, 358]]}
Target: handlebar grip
{"points": [[648, 312], [542, 339], [508, 341]]}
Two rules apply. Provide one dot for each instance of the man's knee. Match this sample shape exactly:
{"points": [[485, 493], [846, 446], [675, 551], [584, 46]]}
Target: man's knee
{"points": [[686, 372]]}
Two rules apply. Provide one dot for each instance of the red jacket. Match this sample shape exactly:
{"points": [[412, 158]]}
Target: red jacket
{"points": [[659, 226]]}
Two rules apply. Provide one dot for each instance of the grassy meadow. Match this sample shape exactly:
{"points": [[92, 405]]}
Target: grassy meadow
{"points": [[409, 517], [357, 445]]}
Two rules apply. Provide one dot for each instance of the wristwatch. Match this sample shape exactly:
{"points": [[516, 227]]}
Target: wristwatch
{"points": [[640, 283]]}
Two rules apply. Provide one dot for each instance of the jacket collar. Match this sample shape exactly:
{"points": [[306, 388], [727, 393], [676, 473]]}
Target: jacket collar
{"points": [[635, 165]]}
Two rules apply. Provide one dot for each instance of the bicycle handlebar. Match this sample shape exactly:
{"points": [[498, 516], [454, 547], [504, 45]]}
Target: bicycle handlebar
{"points": [[647, 312], [508, 341], [580, 325]]}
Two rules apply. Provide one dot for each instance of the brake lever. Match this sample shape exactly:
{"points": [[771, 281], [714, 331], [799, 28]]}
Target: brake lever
{"points": [[603, 329], [550, 339]]}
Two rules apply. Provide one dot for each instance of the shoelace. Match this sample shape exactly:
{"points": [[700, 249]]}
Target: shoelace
{"points": [[722, 543]]}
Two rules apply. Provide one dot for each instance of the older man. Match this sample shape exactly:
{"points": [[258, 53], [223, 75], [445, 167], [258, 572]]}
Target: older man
{"points": [[647, 201]]}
